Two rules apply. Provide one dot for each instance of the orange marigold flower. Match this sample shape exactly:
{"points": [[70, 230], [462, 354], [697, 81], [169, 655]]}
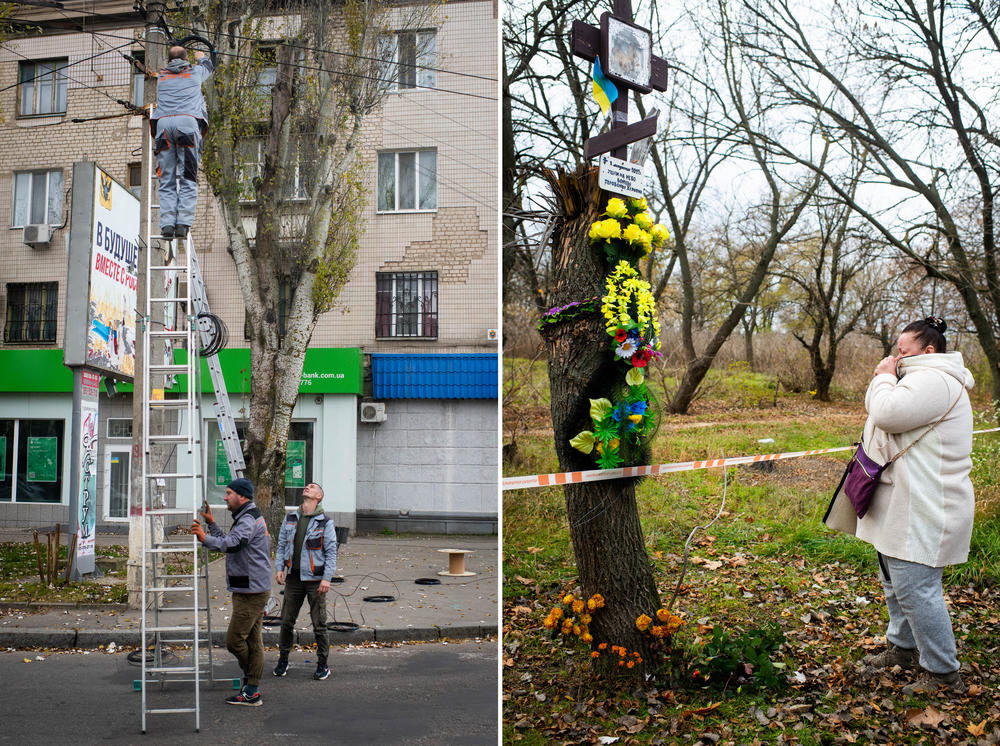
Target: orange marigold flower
{"points": [[568, 599], [591, 604], [599, 600], [603, 646], [642, 622], [663, 615], [631, 664], [576, 630], [595, 654], [549, 622], [621, 663], [657, 630], [587, 637], [557, 612], [578, 607], [621, 652], [585, 619]]}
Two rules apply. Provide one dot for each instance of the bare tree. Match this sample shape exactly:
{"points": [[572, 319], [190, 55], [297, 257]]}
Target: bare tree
{"points": [[909, 85]]}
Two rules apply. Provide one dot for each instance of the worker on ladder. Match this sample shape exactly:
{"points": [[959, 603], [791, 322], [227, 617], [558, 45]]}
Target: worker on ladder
{"points": [[178, 125]]}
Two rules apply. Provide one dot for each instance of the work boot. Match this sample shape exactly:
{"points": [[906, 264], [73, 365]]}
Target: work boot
{"points": [[930, 683], [282, 668], [167, 231], [892, 656], [181, 231]]}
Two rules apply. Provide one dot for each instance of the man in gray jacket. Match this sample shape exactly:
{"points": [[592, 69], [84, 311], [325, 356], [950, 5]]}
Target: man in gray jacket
{"points": [[305, 563], [178, 124], [248, 576]]}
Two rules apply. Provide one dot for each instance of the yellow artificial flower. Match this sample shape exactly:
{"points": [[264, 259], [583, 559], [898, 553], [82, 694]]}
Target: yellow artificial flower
{"points": [[638, 205], [642, 622], [632, 233], [616, 208], [636, 418], [659, 234], [607, 229], [643, 221]]}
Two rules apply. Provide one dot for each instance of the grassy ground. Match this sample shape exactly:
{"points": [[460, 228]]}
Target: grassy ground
{"points": [[766, 558], [19, 580]]}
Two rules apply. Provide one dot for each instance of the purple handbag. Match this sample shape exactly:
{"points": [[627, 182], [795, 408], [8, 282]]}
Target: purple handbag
{"points": [[861, 479]]}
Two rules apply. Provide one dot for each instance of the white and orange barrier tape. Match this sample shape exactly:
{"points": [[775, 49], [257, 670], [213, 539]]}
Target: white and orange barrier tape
{"points": [[597, 475]]}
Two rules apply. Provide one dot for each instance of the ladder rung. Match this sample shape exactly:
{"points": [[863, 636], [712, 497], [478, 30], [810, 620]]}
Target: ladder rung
{"points": [[165, 267], [169, 475], [165, 550], [169, 438], [171, 669], [169, 710], [189, 628], [168, 368], [169, 511], [172, 608], [178, 299], [160, 588], [174, 333], [169, 403]]}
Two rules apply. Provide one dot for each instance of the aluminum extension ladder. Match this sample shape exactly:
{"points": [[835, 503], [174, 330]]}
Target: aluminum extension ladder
{"points": [[186, 329]]}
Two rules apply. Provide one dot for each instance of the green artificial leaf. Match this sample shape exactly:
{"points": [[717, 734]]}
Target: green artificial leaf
{"points": [[606, 429], [584, 441], [634, 377], [609, 459], [599, 409]]}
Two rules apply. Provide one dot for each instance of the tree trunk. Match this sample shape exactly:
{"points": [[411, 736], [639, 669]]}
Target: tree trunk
{"points": [[603, 517]]}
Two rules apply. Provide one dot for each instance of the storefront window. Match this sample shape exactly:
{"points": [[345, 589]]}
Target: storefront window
{"points": [[39, 462]]}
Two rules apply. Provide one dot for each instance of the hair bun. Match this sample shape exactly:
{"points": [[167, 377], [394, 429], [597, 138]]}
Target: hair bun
{"points": [[936, 322]]}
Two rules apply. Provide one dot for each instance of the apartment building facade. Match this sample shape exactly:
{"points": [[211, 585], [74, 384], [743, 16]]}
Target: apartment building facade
{"points": [[397, 415]]}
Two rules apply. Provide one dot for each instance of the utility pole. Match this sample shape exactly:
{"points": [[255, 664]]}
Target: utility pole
{"points": [[155, 43]]}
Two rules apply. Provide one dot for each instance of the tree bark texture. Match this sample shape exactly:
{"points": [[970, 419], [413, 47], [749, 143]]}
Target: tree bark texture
{"points": [[603, 517]]}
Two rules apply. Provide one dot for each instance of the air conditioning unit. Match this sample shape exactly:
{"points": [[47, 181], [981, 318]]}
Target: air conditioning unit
{"points": [[37, 235], [372, 411]]}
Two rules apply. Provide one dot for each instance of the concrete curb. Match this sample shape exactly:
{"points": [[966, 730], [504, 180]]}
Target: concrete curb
{"points": [[91, 639]]}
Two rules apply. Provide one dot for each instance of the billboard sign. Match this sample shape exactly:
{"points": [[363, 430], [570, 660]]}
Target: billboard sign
{"points": [[103, 274]]}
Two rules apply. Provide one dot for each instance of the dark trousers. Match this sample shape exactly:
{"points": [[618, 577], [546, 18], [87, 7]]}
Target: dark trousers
{"points": [[296, 591], [243, 638]]}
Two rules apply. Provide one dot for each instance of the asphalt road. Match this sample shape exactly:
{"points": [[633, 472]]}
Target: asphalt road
{"points": [[435, 693]]}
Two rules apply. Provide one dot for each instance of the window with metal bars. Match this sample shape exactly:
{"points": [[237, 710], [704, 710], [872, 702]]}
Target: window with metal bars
{"points": [[406, 304], [31, 312]]}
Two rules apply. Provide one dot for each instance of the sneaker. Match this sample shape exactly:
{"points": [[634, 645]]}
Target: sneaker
{"points": [[167, 231], [282, 668], [181, 231], [930, 683], [892, 656], [322, 671], [245, 699]]}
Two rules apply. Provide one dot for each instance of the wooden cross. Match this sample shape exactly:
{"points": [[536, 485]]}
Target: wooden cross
{"points": [[588, 42]]}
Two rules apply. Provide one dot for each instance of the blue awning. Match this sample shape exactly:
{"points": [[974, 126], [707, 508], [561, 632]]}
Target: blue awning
{"points": [[459, 376]]}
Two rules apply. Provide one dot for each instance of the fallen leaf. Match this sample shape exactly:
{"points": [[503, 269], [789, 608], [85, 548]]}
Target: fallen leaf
{"points": [[27, 660], [712, 564], [607, 739], [534, 550], [521, 610], [524, 580], [926, 718], [700, 710], [977, 730]]}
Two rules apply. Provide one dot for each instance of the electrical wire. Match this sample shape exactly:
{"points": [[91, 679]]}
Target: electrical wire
{"points": [[314, 68], [322, 50]]}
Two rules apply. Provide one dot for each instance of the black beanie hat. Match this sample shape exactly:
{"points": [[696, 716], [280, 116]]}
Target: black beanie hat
{"points": [[242, 487]]}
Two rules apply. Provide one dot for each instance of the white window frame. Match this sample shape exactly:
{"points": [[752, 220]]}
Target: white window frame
{"points": [[418, 168], [422, 64], [110, 451], [53, 214], [253, 169], [55, 78]]}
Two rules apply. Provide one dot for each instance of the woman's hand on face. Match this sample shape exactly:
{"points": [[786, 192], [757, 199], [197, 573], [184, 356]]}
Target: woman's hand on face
{"points": [[888, 365]]}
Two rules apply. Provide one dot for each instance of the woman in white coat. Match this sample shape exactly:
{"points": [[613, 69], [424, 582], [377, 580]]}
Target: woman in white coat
{"points": [[921, 516]]}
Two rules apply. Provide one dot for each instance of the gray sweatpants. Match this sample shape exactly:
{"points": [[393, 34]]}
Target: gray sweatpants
{"points": [[918, 615], [178, 152]]}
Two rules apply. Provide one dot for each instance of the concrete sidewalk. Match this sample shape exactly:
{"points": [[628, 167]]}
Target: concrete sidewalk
{"points": [[465, 607]]}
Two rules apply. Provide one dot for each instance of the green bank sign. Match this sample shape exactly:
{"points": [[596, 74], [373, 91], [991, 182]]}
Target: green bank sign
{"points": [[327, 370]]}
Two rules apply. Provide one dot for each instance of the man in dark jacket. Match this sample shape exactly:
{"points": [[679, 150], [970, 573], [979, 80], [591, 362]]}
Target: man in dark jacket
{"points": [[248, 575], [178, 123], [305, 563]]}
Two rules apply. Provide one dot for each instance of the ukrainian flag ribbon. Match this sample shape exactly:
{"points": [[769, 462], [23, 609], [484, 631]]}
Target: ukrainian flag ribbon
{"points": [[604, 90]]}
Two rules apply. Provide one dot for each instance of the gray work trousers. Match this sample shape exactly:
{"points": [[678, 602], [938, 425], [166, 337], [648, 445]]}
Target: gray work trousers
{"points": [[918, 614], [297, 591], [178, 153]]}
